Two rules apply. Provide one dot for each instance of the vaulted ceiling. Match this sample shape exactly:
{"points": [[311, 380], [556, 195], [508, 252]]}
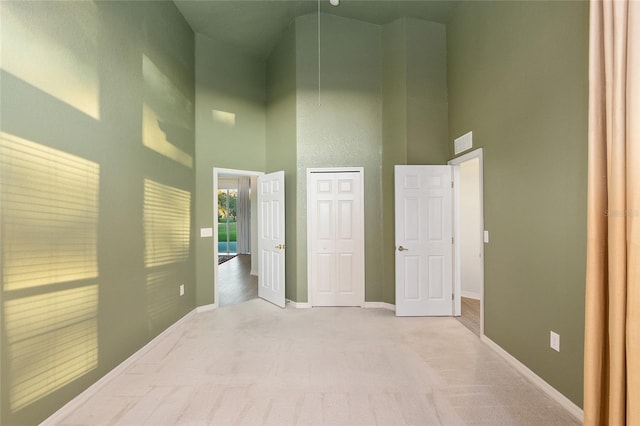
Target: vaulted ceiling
{"points": [[255, 26]]}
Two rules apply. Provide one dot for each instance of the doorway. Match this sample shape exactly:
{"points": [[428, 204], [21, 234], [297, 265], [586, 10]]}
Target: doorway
{"points": [[235, 236], [469, 234]]}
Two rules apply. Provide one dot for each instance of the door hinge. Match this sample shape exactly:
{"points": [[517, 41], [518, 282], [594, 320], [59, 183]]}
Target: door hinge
{"points": [[452, 184], [451, 240], [452, 297]]}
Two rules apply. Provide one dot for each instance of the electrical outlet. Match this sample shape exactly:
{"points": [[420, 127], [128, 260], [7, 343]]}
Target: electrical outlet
{"points": [[555, 341], [181, 289]]}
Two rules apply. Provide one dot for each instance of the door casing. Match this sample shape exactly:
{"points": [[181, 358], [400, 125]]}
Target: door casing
{"points": [[359, 170], [477, 153], [217, 171]]}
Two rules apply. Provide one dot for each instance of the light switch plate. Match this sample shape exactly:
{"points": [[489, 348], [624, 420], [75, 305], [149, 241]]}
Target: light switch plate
{"points": [[486, 236], [206, 232], [554, 341]]}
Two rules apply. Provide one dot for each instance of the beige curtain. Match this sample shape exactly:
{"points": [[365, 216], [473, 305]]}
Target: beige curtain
{"points": [[612, 329], [243, 217]]}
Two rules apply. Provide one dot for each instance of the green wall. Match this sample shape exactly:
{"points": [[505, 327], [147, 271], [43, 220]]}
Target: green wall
{"points": [[230, 133], [342, 126], [382, 102], [513, 72], [426, 87], [394, 140], [517, 76], [97, 148], [414, 114], [281, 141], [381, 85]]}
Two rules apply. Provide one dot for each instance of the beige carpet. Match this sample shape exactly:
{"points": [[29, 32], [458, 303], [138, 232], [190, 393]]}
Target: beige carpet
{"points": [[256, 364]]}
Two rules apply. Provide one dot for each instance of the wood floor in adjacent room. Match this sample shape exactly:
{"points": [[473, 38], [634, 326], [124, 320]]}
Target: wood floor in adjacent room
{"points": [[470, 314], [253, 363], [235, 282]]}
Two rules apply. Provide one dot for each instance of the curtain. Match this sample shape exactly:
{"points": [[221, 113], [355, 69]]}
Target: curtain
{"points": [[243, 218], [612, 311]]}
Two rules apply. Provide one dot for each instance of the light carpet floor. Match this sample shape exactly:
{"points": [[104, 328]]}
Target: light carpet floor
{"points": [[256, 364]]}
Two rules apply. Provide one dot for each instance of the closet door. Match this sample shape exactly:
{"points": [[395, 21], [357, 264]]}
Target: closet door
{"points": [[335, 236]]}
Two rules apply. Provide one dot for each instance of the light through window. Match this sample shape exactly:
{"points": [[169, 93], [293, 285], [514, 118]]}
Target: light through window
{"points": [[167, 230], [49, 219], [31, 37], [166, 116], [166, 223]]}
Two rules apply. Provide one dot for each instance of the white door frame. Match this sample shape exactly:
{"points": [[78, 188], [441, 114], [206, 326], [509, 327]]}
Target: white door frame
{"points": [[332, 170], [217, 171], [477, 153]]}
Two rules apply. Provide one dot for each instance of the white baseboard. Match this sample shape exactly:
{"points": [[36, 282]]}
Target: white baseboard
{"points": [[470, 295], [75, 403], [298, 305], [539, 382], [207, 308], [379, 305]]}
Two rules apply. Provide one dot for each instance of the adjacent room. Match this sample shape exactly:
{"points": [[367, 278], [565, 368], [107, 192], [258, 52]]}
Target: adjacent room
{"points": [[133, 137], [237, 264]]}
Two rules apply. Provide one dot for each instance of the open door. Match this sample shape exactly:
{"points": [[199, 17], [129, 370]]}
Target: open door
{"points": [[424, 240], [271, 238]]}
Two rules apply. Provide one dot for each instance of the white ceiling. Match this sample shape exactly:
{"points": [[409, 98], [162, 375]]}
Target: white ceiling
{"points": [[255, 26]]}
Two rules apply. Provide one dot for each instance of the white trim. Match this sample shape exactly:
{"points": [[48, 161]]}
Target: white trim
{"points": [[57, 417], [207, 308], [379, 305], [216, 172], [298, 305], [457, 281], [355, 169], [470, 295], [540, 383], [479, 154]]}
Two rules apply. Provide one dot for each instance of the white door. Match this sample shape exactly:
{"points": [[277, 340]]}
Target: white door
{"points": [[336, 237], [424, 240], [271, 246]]}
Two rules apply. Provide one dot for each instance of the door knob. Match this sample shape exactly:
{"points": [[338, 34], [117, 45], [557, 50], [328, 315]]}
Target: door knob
{"points": [[402, 248], [280, 246]]}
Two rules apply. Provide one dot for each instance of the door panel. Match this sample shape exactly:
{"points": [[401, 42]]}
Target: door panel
{"points": [[271, 279], [336, 238], [345, 272], [424, 249], [437, 285], [412, 287]]}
